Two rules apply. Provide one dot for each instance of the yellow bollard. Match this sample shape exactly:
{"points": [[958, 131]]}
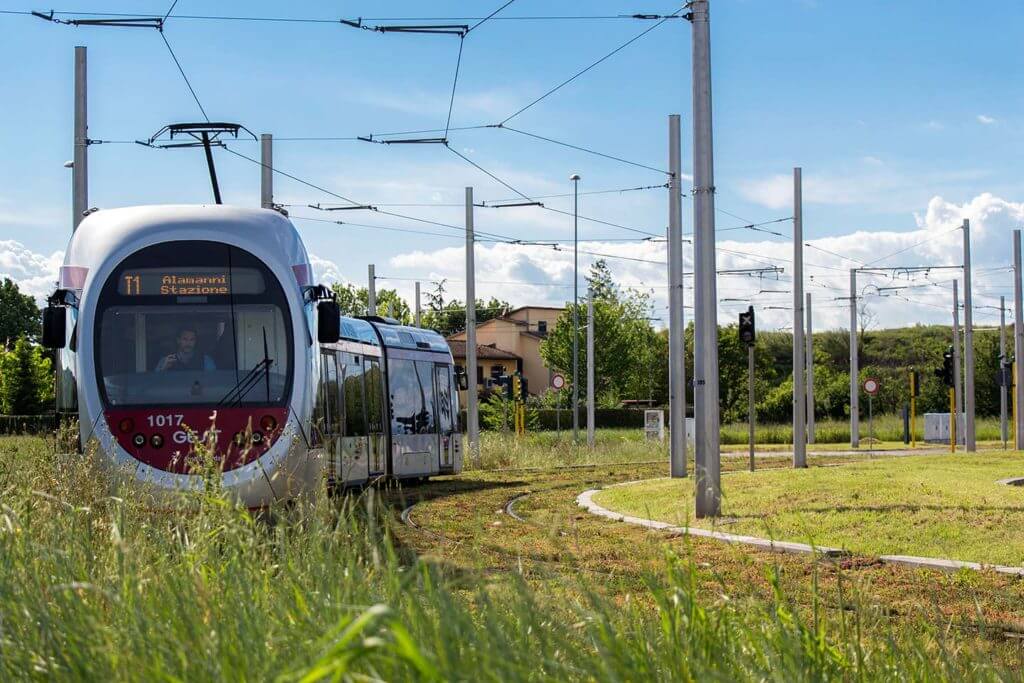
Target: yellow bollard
{"points": [[952, 421]]}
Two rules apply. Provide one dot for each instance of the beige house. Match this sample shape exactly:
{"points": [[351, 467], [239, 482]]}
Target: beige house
{"points": [[518, 333], [491, 363]]}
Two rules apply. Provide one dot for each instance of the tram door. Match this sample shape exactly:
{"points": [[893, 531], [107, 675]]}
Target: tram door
{"points": [[354, 442], [327, 420], [378, 443], [447, 421]]}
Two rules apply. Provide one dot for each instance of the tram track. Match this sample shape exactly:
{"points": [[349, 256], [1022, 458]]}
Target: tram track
{"points": [[559, 568], [510, 505]]}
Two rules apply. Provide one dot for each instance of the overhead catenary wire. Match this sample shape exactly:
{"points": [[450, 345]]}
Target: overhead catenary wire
{"points": [[183, 75], [335, 21], [488, 17], [587, 150], [579, 73]]}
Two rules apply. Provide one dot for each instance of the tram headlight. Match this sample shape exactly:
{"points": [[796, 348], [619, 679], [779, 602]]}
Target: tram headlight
{"points": [[156, 441], [139, 440], [257, 438], [126, 425], [268, 423]]}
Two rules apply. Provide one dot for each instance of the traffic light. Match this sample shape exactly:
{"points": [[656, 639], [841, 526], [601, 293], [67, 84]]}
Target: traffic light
{"points": [[506, 382], [915, 383], [945, 373], [523, 392], [747, 332]]}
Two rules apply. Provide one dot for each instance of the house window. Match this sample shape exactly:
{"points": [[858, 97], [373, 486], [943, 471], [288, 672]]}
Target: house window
{"points": [[542, 326], [479, 374]]}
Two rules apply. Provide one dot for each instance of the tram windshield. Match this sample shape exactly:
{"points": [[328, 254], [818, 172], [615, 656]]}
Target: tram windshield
{"points": [[193, 323]]}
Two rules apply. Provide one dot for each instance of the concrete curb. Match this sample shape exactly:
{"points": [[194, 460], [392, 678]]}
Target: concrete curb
{"points": [[948, 565], [585, 500]]}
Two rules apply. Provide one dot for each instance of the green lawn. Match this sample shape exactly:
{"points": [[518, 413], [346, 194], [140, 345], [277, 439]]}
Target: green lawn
{"points": [[934, 506]]}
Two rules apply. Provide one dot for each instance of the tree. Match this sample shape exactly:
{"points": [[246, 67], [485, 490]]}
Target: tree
{"points": [[449, 317], [623, 339], [19, 315], [353, 302], [26, 381]]}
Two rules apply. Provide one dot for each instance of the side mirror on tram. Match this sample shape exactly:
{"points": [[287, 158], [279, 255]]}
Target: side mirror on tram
{"points": [[328, 326], [54, 327], [463, 379]]}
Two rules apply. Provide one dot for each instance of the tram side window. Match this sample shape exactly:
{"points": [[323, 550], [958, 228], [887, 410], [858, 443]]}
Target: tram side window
{"points": [[355, 421], [425, 374], [326, 416], [445, 417], [374, 396], [406, 396]]}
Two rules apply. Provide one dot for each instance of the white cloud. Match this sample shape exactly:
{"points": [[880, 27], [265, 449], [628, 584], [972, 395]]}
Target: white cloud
{"points": [[871, 184], [325, 271], [35, 273], [986, 120], [543, 276], [489, 104]]}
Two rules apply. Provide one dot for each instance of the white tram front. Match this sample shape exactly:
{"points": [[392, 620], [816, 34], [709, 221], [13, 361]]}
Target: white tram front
{"points": [[180, 324]]}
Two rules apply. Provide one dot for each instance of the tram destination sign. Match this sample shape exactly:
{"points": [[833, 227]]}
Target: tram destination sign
{"points": [[189, 281]]}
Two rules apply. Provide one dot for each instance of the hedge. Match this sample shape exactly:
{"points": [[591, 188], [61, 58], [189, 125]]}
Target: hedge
{"points": [[608, 418], [27, 424]]}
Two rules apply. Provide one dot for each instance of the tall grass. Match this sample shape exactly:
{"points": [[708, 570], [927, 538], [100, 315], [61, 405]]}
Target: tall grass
{"points": [[96, 585]]}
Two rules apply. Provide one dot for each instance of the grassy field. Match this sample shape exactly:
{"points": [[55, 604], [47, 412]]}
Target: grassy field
{"points": [[544, 448], [934, 506], [96, 585]]}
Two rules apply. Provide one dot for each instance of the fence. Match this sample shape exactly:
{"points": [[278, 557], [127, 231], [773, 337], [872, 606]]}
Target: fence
{"points": [[28, 424]]}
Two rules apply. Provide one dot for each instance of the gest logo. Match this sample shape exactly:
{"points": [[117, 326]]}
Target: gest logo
{"points": [[182, 437]]}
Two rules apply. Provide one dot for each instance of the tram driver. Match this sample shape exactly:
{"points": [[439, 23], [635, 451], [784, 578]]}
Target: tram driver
{"points": [[186, 358]]}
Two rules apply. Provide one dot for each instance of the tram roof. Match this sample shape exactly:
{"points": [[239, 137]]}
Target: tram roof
{"points": [[103, 231], [394, 336]]}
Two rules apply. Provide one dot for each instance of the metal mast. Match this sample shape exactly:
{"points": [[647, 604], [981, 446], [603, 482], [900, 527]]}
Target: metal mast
{"points": [[708, 487]]}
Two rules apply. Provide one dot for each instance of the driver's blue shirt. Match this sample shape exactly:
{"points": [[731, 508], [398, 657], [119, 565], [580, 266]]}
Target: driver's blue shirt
{"points": [[207, 364]]}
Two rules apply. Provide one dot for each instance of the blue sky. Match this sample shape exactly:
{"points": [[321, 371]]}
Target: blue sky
{"points": [[886, 106]]}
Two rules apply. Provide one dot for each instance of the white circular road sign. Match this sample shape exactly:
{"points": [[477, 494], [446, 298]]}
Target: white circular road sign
{"points": [[557, 381], [871, 386]]}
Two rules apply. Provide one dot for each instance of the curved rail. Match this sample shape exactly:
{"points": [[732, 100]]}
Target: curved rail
{"points": [[510, 505]]}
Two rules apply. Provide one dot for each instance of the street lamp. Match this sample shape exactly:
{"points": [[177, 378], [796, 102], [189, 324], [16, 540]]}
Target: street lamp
{"points": [[575, 178]]}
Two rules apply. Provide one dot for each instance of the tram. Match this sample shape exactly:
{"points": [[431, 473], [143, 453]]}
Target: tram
{"points": [[184, 325]]}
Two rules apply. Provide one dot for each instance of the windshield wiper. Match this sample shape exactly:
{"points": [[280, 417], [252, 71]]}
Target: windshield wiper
{"points": [[234, 397]]}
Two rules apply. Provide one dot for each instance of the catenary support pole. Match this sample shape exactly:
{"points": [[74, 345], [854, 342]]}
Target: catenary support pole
{"points": [[809, 361], [969, 442], [590, 367], [1003, 431], [1018, 344], [751, 414], [854, 365], [419, 319], [266, 171], [575, 178], [472, 417], [799, 386], [80, 167], [708, 485], [676, 321], [958, 394], [371, 290]]}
